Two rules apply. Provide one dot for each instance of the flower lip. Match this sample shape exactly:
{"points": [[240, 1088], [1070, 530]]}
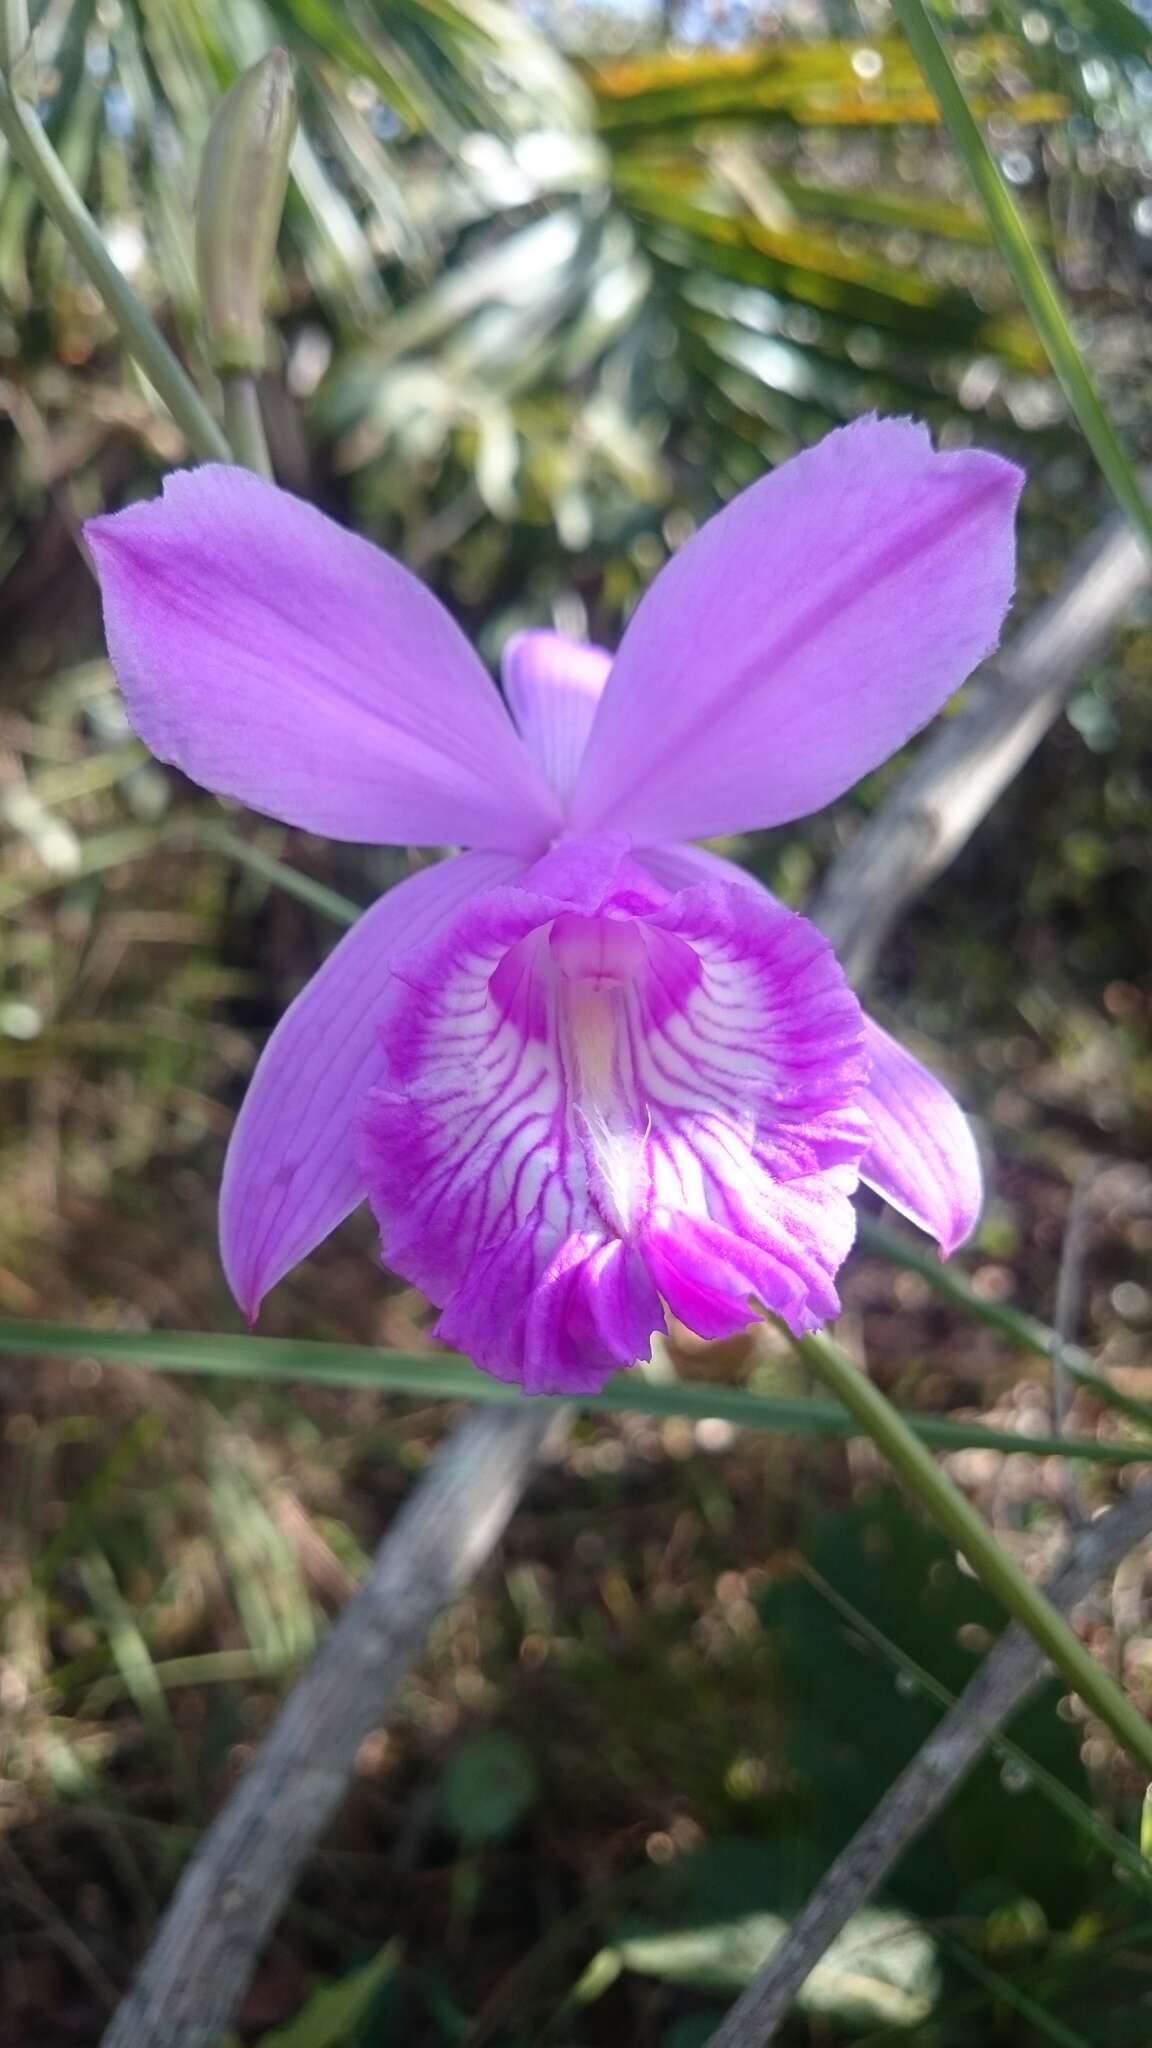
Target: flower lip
{"points": [[604, 952], [567, 1087]]}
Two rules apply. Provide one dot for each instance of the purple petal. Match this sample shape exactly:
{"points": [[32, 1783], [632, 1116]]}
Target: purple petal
{"points": [[553, 686], [923, 1157], [802, 636], [291, 1176], [561, 1327], [712, 1277], [594, 1094], [686, 867], [278, 659]]}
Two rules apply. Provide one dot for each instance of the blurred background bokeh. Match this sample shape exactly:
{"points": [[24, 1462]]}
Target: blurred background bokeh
{"points": [[554, 282]]}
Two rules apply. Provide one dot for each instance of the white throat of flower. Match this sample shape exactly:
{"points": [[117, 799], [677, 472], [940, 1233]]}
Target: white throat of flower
{"points": [[613, 1126], [601, 967]]}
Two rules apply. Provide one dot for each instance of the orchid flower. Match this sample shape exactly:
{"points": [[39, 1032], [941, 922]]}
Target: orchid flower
{"points": [[586, 1074]]}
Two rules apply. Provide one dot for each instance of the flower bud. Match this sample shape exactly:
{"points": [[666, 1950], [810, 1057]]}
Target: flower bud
{"points": [[239, 201]]}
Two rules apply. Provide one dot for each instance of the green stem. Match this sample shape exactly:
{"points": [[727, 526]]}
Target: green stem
{"points": [[1033, 281], [15, 34], [1023, 1330], [244, 422], [36, 157], [965, 1527]]}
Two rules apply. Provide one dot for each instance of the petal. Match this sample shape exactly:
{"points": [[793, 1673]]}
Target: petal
{"points": [[559, 1328], [712, 1276], [923, 1157], [553, 686], [291, 1176], [278, 659], [685, 867], [581, 1063], [802, 636]]}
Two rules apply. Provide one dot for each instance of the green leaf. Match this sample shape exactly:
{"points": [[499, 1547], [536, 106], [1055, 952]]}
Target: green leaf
{"points": [[851, 1723], [816, 270], [338, 909], [1117, 27], [812, 84], [332, 2013], [77, 1531], [488, 1787], [432, 1376], [881, 1971], [126, 1639], [440, 70], [884, 209], [1033, 280], [719, 1955], [1023, 1770]]}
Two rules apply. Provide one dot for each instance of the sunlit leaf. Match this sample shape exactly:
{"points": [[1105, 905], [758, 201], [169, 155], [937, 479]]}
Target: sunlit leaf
{"points": [[846, 83], [817, 271], [723, 1912]]}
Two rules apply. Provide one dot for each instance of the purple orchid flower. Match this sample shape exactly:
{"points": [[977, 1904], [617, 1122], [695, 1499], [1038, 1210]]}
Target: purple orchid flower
{"points": [[585, 1073]]}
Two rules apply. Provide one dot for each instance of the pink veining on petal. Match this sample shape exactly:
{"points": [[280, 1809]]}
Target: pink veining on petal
{"points": [[922, 1158], [596, 1095]]}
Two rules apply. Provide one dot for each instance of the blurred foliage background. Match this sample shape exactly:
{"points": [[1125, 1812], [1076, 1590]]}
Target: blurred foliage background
{"points": [[554, 282]]}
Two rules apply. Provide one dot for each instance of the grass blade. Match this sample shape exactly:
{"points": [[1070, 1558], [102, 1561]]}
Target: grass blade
{"points": [[1033, 280], [432, 1376], [1002, 1988], [127, 1642], [1020, 1329], [330, 904]]}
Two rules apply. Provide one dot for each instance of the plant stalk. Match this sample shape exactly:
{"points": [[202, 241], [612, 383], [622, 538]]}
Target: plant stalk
{"points": [[34, 153], [1033, 280], [968, 1530], [245, 422], [15, 37]]}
